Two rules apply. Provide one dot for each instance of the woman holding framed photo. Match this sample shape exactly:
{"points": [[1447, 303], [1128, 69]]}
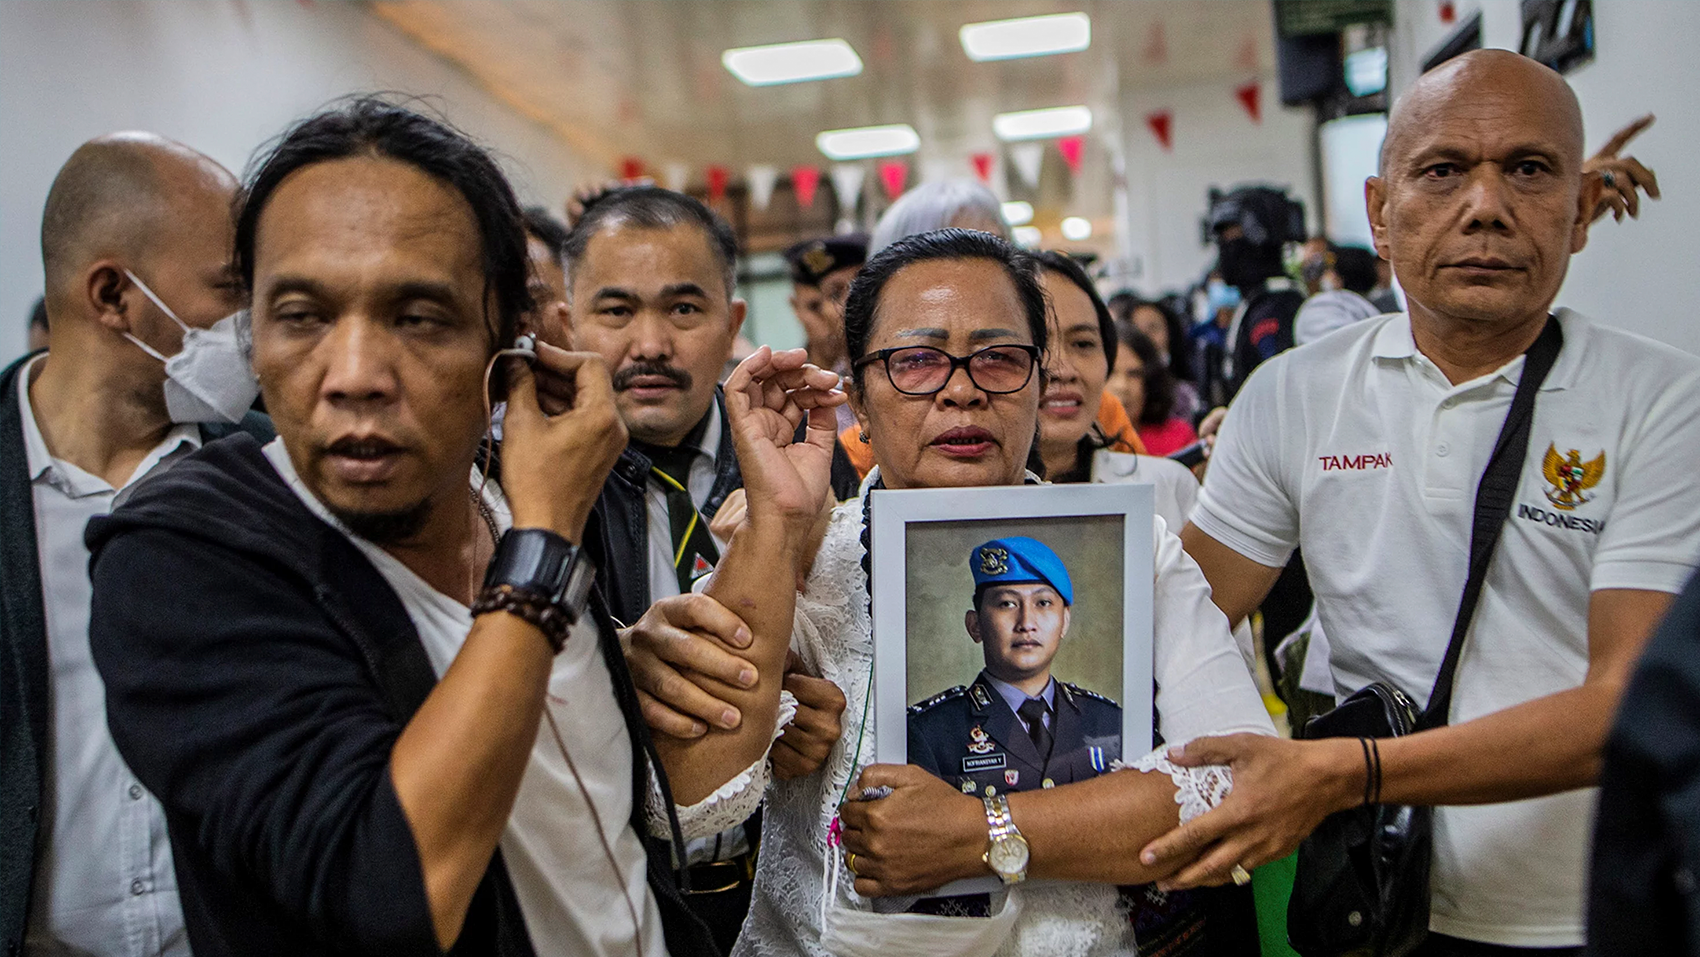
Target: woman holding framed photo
{"points": [[947, 332]]}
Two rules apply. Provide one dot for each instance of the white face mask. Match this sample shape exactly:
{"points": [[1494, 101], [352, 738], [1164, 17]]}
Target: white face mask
{"points": [[211, 378]]}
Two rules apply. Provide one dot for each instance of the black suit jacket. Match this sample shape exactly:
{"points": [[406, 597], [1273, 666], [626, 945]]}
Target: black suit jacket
{"points": [[259, 671], [25, 760], [1086, 737], [619, 526], [1643, 893]]}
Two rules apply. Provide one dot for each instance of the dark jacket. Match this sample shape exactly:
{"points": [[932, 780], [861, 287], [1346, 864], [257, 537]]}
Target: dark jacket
{"points": [[25, 758], [969, 737], [258, 673], [1266, 329], [1644, 893], [619, 526]]}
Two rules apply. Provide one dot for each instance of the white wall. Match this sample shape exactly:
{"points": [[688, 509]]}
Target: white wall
{"points": [[222, 76], [1639, 275], [1215, 144], [1351, 147]]}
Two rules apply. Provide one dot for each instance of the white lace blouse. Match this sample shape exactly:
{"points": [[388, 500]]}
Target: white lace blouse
{"points": [[1202, 688]]}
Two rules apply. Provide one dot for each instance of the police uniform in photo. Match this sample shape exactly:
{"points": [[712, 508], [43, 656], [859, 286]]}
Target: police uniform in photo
{"points": [[990, 737]]}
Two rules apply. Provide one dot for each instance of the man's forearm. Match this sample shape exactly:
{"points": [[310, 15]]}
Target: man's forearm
{"points": [[756, 580], [1540, 747], [457, 765]]}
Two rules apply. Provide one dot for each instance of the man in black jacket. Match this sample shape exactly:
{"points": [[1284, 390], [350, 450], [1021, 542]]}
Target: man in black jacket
{"points": [[84, 864], [1251, 227], [359, 749], [1642, 892], [651, 280]]}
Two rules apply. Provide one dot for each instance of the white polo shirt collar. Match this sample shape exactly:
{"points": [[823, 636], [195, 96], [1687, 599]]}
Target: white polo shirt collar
{"points": [[1394, 340]]}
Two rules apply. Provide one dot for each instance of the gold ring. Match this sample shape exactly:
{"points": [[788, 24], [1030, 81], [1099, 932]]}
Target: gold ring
{"points": [[1241, 876], [850, 862]]}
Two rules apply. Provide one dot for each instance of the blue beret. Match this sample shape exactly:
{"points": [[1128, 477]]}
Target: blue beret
{"points": [[1019, 560]]}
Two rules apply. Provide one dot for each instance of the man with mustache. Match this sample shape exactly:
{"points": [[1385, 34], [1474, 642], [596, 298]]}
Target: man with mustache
{"points": [[375, 693], [651, 276], [1366, 449]]}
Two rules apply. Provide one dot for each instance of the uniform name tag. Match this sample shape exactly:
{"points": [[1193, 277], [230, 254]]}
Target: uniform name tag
{"points": [[986, 763]]}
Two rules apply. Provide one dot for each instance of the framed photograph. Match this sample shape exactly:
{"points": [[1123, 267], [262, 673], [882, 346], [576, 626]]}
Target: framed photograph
{"points": [[1012, 632]]}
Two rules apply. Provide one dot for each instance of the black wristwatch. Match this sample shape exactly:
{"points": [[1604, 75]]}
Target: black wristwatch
{"points": [[541, 577]]}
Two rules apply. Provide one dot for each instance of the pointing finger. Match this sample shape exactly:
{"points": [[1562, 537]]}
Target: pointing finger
{"points": [[1621, 138]]}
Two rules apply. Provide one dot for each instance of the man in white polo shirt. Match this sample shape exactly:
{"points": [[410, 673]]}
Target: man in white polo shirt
{"points": [[1365, 449]]}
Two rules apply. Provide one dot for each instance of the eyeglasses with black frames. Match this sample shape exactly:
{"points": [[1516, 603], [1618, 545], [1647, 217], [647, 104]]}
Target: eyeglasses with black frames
{"points": [[923, 370]]}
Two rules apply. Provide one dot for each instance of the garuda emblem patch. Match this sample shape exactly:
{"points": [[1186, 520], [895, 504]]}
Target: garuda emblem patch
{"points": [[1570, 477]]}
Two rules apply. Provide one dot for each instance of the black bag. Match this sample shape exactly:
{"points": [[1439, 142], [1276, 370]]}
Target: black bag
{"points": [[1362, 886]]}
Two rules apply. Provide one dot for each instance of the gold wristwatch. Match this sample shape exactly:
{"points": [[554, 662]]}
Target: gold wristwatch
{"points": [[1007, 855]]}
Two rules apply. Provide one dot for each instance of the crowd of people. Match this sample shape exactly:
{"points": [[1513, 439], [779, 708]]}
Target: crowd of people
{"points": [[393, 569]]}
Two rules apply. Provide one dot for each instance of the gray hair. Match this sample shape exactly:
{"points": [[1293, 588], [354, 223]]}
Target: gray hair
{"points": [[936, 205]]}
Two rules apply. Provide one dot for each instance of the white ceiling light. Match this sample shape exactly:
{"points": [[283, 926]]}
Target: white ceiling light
{"points": [[1018, 213], [792, 62], [1028, 237], [866, 141], [1042, 124], [1076, 228], [1027, 36]]}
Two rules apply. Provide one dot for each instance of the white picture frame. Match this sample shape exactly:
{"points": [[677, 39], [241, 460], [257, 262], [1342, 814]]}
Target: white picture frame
{"points": [[1064, 517]]}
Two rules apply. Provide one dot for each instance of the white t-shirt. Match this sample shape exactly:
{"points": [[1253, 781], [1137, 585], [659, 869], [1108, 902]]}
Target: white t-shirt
{"points": [[1358, 449], [576, 898], [1174, 492]]}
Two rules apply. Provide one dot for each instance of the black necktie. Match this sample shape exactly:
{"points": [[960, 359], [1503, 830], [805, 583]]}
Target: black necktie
{"points": [[1033, 711], [694, 553]]}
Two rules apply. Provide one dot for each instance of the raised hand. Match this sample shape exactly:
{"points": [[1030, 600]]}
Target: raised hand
{"points": [[561, 436], [1623, 177], [767, 397]]}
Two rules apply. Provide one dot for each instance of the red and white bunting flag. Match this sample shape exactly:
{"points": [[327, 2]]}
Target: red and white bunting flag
{"points": [[804, 181], [762, 179], [1162, 123]]}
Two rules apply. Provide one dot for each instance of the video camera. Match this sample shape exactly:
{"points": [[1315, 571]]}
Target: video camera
{"points": [[1266, 215]]}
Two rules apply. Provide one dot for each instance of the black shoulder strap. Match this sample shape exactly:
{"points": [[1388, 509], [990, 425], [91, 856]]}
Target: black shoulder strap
{"points": [[1493, 503]]}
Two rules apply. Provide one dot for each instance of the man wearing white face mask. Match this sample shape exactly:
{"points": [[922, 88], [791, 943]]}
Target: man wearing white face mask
{"points": [[209, 379], [85, 865]]}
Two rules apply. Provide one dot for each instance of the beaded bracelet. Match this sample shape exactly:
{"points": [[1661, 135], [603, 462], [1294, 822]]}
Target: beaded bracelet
{"points": [[529, 606]]}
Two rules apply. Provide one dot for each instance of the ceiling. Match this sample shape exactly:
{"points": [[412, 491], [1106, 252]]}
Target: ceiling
{"points": [[642, 79]]}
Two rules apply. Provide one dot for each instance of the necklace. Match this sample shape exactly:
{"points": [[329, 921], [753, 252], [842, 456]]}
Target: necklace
{"points": [[489, 517]]}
